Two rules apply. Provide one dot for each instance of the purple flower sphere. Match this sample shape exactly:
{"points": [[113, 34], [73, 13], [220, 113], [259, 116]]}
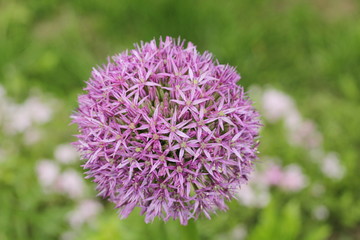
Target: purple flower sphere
{"points": [[167, 129]]}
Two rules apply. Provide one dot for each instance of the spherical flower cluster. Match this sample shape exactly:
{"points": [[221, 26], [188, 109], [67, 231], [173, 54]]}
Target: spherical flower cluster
{"points": [[168, 130]]}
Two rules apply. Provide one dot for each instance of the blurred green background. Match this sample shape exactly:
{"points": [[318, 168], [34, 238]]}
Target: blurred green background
{"points": [[303, 55]]}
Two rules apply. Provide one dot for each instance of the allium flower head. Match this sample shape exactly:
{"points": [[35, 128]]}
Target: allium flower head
{"points": [[167, 129]]}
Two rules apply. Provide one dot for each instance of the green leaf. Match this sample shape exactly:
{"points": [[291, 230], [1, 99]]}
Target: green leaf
{"points": [[320, 233]]}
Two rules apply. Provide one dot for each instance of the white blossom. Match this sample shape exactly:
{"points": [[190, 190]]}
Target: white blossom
{"points": [[71, 183], [276, 104], [239, 232], [47, 172], [332, 167], [253, 195], [84, 212], [66, 153], [320, 212], [305, 135], [32, 135]]}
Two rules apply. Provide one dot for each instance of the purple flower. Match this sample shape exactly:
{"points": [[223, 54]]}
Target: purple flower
{"points": [[167, 129]]}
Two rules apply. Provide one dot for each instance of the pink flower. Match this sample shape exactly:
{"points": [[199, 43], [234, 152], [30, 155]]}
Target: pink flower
{"points": [[305, 134], [273, 175], [167, 129], [276, 105], [293, 179]]}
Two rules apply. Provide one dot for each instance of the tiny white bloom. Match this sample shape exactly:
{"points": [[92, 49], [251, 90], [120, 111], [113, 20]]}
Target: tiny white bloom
{"points": [[47, 172], [305, 135], [31, 136], [276, 104], [332, 167], [65, 153], [320, 212], [39, 111], [239, 232], [293, 179], [253, 196], [18, 119], [71, 183], [84, 212]]}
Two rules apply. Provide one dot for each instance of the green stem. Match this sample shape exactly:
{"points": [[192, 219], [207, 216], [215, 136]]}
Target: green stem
{"points": [[190, 231], [163, 229]]}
